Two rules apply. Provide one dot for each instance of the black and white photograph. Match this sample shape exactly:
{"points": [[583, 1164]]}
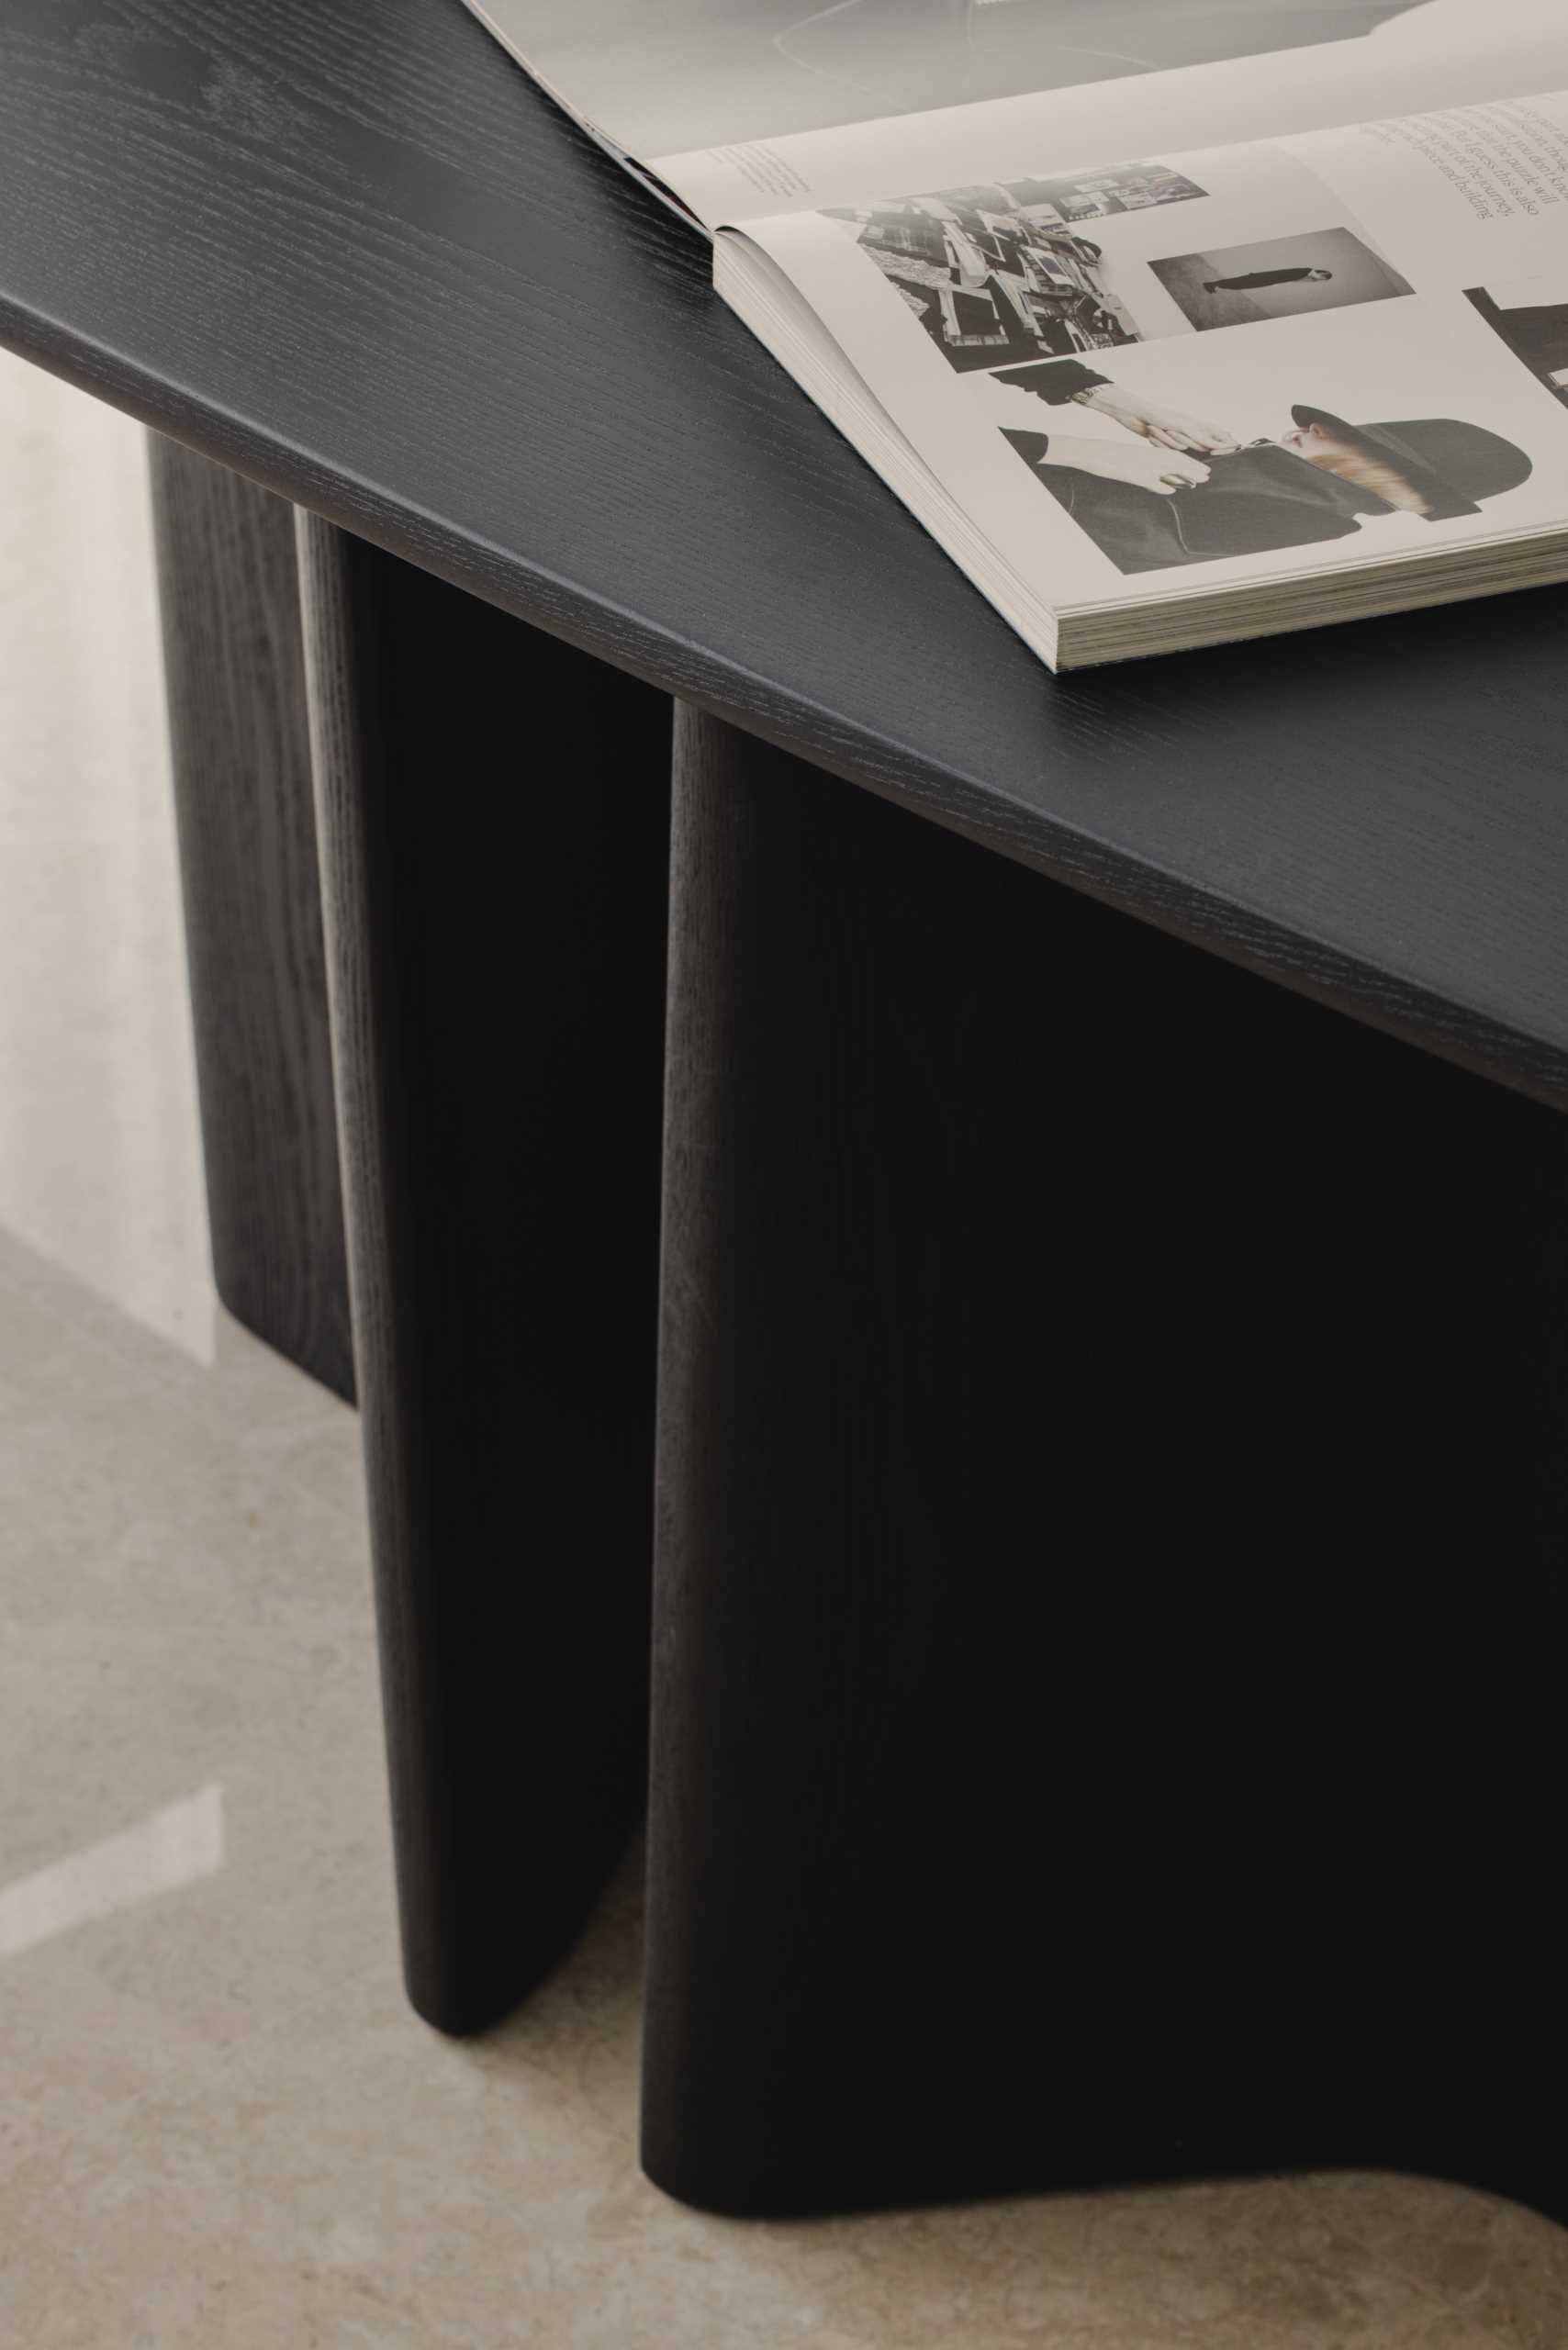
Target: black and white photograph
{"points": [[993, 279], [1281, 277], [1174, 483], [687, 75], [1533, 325], [1096, 195]]}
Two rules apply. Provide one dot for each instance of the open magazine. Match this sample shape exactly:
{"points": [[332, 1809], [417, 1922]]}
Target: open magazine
{"points": [[1172, 320]]}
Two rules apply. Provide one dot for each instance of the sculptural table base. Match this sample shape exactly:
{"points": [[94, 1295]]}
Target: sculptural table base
{"points": [[1112, 1495], [1113, 1504]]}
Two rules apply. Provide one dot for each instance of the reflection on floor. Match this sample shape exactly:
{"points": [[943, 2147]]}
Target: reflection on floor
{"points": [[220, 2126], [170, 1849]]}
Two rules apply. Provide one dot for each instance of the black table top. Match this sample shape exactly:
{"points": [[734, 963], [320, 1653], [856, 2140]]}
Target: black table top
{"points": [[350, 251]]}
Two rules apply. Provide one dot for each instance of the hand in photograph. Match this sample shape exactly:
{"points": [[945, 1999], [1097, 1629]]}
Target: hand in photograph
{"points": [[1159, 469], [1167, 428]]}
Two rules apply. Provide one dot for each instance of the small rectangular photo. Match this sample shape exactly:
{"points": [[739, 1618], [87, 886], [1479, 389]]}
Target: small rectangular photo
{"points": [[1284, 277], [1096, 195], [1534, 328], [992, 278]]}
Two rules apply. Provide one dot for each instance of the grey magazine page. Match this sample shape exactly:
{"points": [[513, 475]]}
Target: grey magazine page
{"points": [[747, 108], [665, 77]]}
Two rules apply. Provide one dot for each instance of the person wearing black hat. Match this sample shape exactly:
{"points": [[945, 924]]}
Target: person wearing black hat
{"points": [[1159, 507]]}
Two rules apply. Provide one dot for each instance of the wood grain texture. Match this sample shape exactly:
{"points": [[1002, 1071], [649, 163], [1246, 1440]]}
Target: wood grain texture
{"points": [[351, 252], [234, 664], [1066, 1534], [494, 825]]}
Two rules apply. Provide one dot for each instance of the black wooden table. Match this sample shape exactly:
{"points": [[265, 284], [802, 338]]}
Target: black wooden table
{"points": [[1112, 1488]]}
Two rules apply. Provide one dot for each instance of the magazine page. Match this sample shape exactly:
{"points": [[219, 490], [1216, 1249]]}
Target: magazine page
{"points": [[1199, 369], [758, 107]]}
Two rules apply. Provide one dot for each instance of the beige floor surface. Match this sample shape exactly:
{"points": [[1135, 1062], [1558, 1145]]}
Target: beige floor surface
{"points": [[220, 2127]]}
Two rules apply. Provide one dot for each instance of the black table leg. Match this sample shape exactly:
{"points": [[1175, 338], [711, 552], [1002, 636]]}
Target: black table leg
{"points": [[1467, 1633], [235, 669], [494, 826], [1033, 1422]]}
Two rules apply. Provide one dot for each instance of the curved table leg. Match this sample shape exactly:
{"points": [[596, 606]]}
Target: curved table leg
{"points": [[234, 665], [493, 829], [1022, 1802]]}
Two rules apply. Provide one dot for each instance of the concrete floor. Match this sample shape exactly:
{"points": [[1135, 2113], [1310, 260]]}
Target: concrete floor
{"points": [[220, 2126]]}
